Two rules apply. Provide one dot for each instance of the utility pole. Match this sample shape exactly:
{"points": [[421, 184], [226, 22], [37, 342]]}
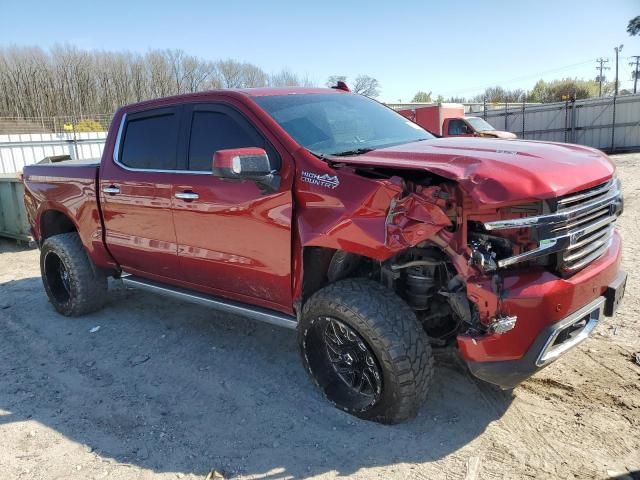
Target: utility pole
{"points": [[600, 77], [615, 96], [618, 50], [635, 72]]}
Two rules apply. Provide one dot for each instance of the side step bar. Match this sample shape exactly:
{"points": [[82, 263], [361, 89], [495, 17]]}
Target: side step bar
{"points": [[229, 306]]}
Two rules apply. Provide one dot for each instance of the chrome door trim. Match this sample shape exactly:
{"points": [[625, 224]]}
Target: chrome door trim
{"points": [[116, 157]]}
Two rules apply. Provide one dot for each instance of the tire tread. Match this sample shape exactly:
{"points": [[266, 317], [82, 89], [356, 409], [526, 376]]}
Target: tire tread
{"points": [[390, 325]]}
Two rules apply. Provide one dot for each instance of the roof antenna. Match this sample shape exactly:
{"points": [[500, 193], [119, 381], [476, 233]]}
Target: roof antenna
{"points": [[340, 85]]}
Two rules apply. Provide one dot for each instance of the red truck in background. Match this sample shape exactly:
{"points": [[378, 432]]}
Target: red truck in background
{"points": [[449, 120], [327, 212]]}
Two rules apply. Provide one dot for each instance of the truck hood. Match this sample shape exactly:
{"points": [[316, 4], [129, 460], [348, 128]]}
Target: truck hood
{"points": [[497, 134], [495, 171]]}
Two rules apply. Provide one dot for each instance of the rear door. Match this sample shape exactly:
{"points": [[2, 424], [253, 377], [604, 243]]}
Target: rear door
{"points": [[234, 237], [136, 188]]}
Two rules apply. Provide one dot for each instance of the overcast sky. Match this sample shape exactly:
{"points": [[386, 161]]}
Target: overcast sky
{"points": [[450, 48]]}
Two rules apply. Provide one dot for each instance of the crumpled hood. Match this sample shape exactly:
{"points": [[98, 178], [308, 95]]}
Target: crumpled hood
{"points": [[498, 171]]}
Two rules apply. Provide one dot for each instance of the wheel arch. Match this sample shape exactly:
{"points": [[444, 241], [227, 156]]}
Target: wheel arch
{"points": [[54, 222], [322, 266]]}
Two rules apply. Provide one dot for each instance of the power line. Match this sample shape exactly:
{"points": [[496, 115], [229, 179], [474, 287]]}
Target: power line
{"points": [[600, 77], [517, 79]]}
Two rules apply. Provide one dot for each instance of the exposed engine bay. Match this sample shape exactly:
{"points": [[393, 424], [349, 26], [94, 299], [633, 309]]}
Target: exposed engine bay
{"points": [[426, 280]]}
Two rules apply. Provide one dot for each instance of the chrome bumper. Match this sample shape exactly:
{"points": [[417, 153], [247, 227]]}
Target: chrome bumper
{"points": [[571, 331]]}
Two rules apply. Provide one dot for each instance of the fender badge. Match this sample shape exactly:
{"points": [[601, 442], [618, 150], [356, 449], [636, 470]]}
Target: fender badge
{"points": [[324, 180]]}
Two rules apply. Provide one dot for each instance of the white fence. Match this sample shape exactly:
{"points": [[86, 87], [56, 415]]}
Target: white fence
{"points": [[19, 150], [597, 122]]}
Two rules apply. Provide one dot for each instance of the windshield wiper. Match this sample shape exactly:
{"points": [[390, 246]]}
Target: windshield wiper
{"points": [[348, 153]]}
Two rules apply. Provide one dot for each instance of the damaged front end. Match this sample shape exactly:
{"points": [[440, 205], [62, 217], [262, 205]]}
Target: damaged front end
{"points": [[495, 278], [498, 278]]}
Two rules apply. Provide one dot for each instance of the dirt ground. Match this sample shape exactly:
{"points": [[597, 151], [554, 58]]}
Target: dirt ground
{"points": [[168, 390]]}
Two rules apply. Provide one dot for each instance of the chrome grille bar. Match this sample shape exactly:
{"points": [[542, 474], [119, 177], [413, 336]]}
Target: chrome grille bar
{"points": [[574, 267], [565, 201], [579, 231], [561, 216], [606, 232]]}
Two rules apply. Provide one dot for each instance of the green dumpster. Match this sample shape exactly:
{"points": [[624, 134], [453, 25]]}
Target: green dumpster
{"points": [[13, 216]]}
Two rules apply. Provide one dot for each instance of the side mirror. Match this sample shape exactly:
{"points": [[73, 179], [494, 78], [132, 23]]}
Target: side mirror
{"points": [[246, 163]]}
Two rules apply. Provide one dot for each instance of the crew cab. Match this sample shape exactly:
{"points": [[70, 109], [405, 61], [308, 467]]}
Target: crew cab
{"points": [[449, 120], [327, 212]]}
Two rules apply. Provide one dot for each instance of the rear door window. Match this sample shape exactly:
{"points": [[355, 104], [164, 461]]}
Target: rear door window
{"points": [[150, 140]]}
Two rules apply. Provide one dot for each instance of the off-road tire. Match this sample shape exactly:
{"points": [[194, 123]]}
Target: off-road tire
{"points": [[394, 335], [87, 285]]}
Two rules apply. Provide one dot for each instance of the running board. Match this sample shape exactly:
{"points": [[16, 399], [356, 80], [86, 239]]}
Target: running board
{"points": [[229, 306]]}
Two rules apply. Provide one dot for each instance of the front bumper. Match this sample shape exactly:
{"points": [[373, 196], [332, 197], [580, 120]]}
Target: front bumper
{"points": [[544, 304]]}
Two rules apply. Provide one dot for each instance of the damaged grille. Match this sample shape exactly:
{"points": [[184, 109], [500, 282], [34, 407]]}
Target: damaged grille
{"points": [[591, 230], [578, 230]]}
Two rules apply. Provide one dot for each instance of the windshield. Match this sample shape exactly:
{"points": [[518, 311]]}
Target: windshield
{"points": [[340, 124], [479, 124]]}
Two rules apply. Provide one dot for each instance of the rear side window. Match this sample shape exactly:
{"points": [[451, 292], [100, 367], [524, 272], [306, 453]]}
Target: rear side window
{"points": [[150, 141], [216, 130]]}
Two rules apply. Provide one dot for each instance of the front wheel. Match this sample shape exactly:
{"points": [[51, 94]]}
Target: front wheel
{"points": [[365, 349], [73, 283]]}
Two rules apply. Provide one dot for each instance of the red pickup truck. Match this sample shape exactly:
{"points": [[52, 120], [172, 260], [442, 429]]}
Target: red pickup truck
{"points": [[327, 212]]}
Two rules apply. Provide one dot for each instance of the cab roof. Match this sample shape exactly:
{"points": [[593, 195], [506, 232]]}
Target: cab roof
{"points": [[231, 92]]}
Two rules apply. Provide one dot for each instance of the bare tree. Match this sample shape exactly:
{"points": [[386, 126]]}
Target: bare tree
{"points": [[334, 79], [367, 86], [67, 81], [286, 78], [230, 73]]}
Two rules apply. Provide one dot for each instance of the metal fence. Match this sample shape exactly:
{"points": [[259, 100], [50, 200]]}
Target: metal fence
{"points": [[27, 140], [19, 150], [60, 124], [611, 124]]}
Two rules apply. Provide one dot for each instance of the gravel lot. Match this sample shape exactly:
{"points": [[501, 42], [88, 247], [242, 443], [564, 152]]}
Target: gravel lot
{"points": [[168, 390]]}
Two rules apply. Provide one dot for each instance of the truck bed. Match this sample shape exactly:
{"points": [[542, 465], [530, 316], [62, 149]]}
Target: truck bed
{"points": [[70, 188]]}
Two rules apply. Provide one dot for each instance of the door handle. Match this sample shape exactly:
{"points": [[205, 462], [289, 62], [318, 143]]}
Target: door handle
{"points": [[111, 189], [187, 196]]}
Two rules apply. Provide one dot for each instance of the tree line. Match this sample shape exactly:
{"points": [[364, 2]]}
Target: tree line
{"points": [[542, 92], [66, 80]]}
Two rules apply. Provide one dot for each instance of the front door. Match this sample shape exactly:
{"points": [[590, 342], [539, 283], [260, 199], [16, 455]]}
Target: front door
{"points": [[234, 236]]}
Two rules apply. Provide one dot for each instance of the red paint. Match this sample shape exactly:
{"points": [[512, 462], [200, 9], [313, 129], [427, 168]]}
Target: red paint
{"points": [[493, 172], [242, 242], [73, 195], [223, 159], [534, 297]]}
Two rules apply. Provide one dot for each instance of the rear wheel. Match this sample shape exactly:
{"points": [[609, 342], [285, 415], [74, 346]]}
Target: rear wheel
{"points": [[73, 284], [365, 349]]}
